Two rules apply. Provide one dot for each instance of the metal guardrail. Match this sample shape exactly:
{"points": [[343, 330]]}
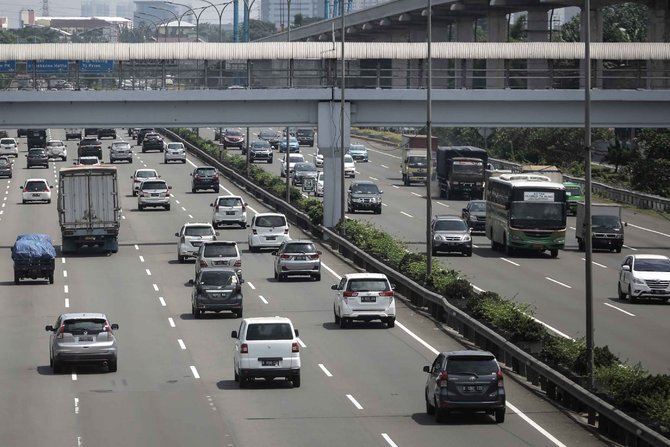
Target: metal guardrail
{"points": [[608, 420], [619, 195]]}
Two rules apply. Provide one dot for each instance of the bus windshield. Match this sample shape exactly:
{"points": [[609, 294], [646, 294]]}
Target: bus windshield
{"points": [[537, 214]]}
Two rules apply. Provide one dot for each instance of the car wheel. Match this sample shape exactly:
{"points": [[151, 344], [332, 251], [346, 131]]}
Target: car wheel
{"points": [[181, 258], [238, 313], [343, 322], [317, 277], [622, 296], [167, 207], [193, 190], [23, 201], [17, 279], [500, 415], [553, 252], [390, 322], [269, 160], [430, 408], [236, 376], [49, 201], [280, 277], [337, 319], [197, 313], [112, 365], [631, 298], [140, 207], [618, 249], [51, 278], [57, 366], [434, 251], [296, 381], [243, 225]]}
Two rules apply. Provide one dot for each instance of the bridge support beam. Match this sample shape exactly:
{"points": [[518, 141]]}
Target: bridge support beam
{"points": [[497, 32], [329, 142], [596, 36], [464, 30], [538, 31], [658, 31]]}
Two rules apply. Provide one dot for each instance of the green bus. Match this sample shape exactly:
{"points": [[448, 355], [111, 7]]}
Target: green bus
{"points": [[574, 194], [525, 211]]}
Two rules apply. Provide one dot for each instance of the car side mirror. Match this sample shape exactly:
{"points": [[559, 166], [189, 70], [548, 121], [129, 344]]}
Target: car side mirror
{"points": [[625, 224], [247, 225], [131, 176], [216, 233], [241, 281], [190, 282], [191, 174], [393, 286], [115, 326], [274, 253], [625, 268], [176, 234], [426, 369], [233, 334], [49, 328], [169, 187], [318, 252], [381, 192], [465, 210], [297, 334], [211, 204], [245, 204], [334, 287]]}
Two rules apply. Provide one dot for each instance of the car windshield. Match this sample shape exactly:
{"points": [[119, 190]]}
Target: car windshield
{"points": [[605, 222], [652, 265], [573, 191], [348, 158], [450, 225], [4, 162], [469, 167], [305, 167], [300, 247], [537, 214], [269, 331], [357, 148], [146, 174], [364, 188], [36, 152], [55, 143], [198, 231], [120, 145], [270, 221], [147, 184], [416, 160], [88, 325], [36, 186], [368, 285], [218, 278], [477, 206], [260, 145], [206, 171], [477, 366], [230, 201], [175, 146], [234, 133], [7, 141], [304, 132], [296, 159], [220, 250]]}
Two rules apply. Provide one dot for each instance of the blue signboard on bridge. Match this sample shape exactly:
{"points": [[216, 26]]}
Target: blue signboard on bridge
{"points": [[7, 66], [96, 67], [48, 66]]}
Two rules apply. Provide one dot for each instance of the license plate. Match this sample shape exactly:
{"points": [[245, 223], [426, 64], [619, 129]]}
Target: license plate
{"points": [[36, 195], [299, 258], [89, 238], [216, 295], [230, 213], [85, 338], [154, 194], [220, 262], [368, 299], [269, 362], [472, 388], [270, 238]]}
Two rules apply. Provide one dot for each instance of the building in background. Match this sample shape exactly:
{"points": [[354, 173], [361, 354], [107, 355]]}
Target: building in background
{"points": [[4, 22], [26, 18], [94, 8], [108, 28]]}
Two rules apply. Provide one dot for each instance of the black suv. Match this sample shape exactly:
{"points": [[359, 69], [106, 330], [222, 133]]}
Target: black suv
{"points": [[37, 156], [216, 289], [465, 381], [305, 136], [90, 147], [142, 132], [364, 195], [110, 133], [152, 142], [205, 177]]}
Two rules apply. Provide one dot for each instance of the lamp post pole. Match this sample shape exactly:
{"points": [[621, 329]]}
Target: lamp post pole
{"points": [[161, 22], [429, 143], [197, 16], [176, 17], [288, 134], [342, 91], [220, 14]]}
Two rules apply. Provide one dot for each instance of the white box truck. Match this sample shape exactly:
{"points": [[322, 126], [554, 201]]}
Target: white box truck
{"points": [[88, 208], [606, 226]]}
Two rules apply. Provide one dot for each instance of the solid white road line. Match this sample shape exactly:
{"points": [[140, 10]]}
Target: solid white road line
{"points": [[171, 321], [155, 287], [331, 271], [160, 298], [511, 262], [354, 401], [534, 424], [648, 229], [551, 328], [195, 372], [325, 370], [263, 299], [619, 309], [181, 344], [388, 439], [630, 248], [408, 215], [417, 338], [558, 282], [477, 289]]}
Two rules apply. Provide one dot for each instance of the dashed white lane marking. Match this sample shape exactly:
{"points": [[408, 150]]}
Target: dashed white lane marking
{"points": [[558, 282], [511, 262], [65, 288], [190, 216], [374, 178], [76, 405], [181, 344], [195, 372], [171, 321], [148, 272], [301, 343], [619, 309], [534, 424], [64, 273], [572, 228], [62, 260], [354, 401], [183, 209], [331, 271], [263, 299], [416, 194], [74, 376], [443, 204], [160, 298], [155, 287], [251, 286], [384, 204], [384, 166], [78, 441], [141, 258], [396, 186], [177, 202], [137, 247], [67, 302], [625, 246], [325, 370], [408, 215], [388, 439], [595, 263], [123, 217]]}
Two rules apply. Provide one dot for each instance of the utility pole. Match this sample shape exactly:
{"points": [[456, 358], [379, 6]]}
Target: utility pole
{"points": [[45, 8]]}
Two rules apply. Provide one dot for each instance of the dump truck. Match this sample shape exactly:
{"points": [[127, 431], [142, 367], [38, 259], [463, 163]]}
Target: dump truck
{"points": [[88, 208], [606, 226], [34, 257], [414, 160], [461, 171]]}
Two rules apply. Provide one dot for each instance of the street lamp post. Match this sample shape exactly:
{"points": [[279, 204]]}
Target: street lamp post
{"points": [[176, 17], [220, 14], [429, 142], [288, 134], [197, 16], [161, 22], [342, 90]]}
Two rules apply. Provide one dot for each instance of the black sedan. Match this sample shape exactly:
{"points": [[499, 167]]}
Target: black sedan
{"points": [[37, 156], [153, 142]]}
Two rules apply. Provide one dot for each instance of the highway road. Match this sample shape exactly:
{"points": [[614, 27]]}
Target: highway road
{"points": [[360, 387], [555, 288]]}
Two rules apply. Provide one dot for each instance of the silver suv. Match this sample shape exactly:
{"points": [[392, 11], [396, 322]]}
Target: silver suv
{"points": [[82, 338], [191, 236], [297, 257], [155, 193], [120, 150], [219, 254], [451, 234]]}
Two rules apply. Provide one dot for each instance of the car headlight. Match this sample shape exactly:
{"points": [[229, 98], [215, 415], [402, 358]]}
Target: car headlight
{"points": [[438, 237], [514, 237], [472, 218], [638, 281], [466, 238]]}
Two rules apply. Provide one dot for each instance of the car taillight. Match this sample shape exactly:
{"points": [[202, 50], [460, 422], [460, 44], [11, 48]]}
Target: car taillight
{"points": [[203, 263], [61, 331], [284, 257], [314, 256], [244, 349], [25, 190], [107, 328], [244, 208], [238, 263], [295, 347], [348, 294], [442, 379], [386, 293], [499, 375]]}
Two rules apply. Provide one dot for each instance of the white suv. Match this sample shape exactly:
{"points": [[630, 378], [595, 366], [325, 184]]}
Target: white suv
{"points": [[229, 210], [266, 347], [191, 236], [8, 146], [644, 276], [175, 151], [364, 296], [268, 230]]}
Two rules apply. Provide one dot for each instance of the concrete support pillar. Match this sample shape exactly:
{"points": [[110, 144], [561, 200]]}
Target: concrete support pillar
{"points": [[441, 66], [658, 31], [538, 31], [596, 36], [401, 69], [329, 143], [464, 32], [496, 22]]}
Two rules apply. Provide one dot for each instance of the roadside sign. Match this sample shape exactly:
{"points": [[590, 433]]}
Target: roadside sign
{"points": [[48, 66], [96, 67], [7, 66], [308, 185]]}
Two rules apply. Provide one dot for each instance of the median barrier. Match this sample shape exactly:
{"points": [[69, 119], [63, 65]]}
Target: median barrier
{"points": [[608, 420]]}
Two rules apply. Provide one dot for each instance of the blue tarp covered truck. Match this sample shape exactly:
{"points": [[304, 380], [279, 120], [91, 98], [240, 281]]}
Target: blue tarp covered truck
{"points": [[34, 257]]}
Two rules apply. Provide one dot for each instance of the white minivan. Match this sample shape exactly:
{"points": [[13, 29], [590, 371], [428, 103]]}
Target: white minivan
{"points": [[266, 347], [364, 297]]}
